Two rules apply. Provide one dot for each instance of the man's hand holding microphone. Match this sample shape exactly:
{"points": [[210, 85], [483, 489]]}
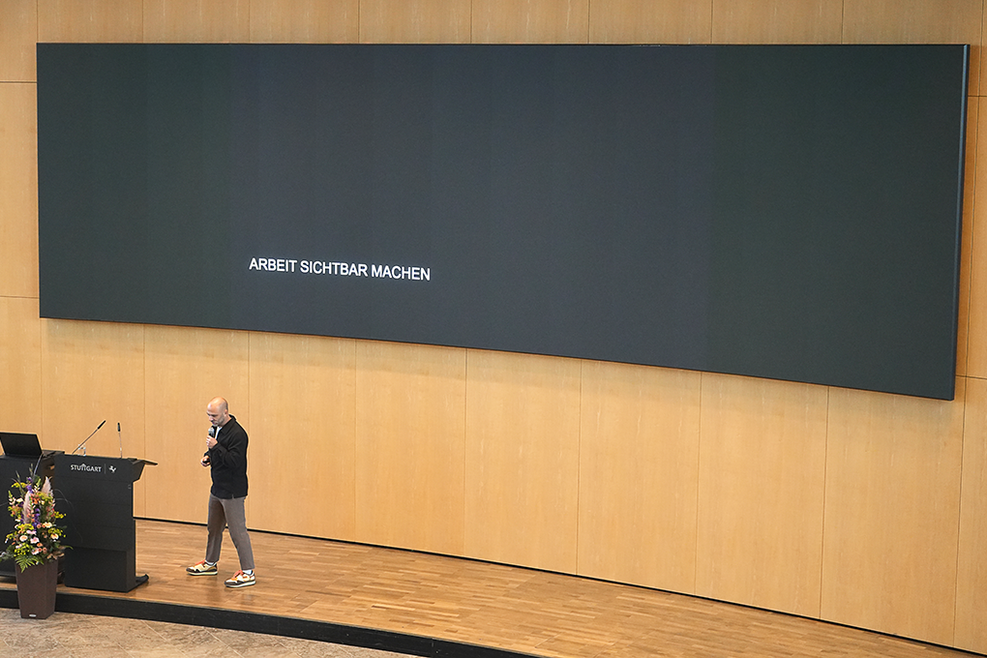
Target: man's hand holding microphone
{"points": [[210, 442]]}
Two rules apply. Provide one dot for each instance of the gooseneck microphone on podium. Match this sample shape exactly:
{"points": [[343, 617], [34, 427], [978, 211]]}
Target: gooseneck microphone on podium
{"points": [[120, 439], [81, 445]]}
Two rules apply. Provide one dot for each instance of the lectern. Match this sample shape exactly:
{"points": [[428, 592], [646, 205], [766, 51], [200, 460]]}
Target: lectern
{"points": [[96, 494]]}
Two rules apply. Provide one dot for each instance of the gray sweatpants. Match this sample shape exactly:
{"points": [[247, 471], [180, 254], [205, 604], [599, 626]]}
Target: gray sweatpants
{"points": [[225, 512]]}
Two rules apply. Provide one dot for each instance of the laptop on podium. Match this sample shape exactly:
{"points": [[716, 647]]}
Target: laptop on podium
{"points": [[16, 444]]}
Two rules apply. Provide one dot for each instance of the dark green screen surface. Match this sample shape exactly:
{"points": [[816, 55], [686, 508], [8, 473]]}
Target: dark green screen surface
{"points": [[790, 212]]}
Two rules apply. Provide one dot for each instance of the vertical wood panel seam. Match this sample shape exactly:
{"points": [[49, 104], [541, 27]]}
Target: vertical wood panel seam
{"points": [[579, 462], [966, 354], [699, 479], [143, 443], [589, 31], [822, 534], [980, 75], [843, 22], [354, 529], [972, 201], [959, 516], [250, 361], [466, 447], [354, 466], [972, 229]]}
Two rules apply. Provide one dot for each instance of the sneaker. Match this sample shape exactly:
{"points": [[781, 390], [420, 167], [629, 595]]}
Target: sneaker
{"points": [[202, 569], [241, 579]]}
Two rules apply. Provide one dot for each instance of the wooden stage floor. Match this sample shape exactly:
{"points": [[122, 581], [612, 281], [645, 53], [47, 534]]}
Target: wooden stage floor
{"points": [[432, 605]]}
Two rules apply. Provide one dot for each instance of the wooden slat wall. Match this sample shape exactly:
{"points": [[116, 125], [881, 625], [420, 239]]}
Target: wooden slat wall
{"points": [[182, 368], [304, 21], [415, 21], [522, 459], [639, 475], [762, 458], [19, 177], [410, 448], [520, 21], [892, 512], [650, 21], [976, 364], [861, 508], [314, 450], [966, 308], [777, 21]]}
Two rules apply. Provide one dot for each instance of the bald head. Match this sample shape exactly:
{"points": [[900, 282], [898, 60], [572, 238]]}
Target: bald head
{"points": [[218, 411]]}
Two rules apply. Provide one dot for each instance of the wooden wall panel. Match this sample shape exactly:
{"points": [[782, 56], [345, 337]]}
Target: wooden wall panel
{"points": [[18, 190], [777, 21], [650, 21], [20, 363], [18, 35], [978, 57], [761, 491], [971, 571], [196, 21], [976, 343], [522, 459], [410, 427], [638, 475], [91, 372], [185, 369], [917, 21], [415, 21], [521, 21], [304, 21], [303, 434], [892, 512], [966, 251], [99, 21]]}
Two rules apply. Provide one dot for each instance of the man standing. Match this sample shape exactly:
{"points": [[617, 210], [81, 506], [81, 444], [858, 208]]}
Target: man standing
{"points": [[226, 456]]}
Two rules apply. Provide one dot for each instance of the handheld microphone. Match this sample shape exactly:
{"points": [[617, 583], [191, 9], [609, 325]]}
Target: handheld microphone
{"points": [[205, 458], [87, 438]]}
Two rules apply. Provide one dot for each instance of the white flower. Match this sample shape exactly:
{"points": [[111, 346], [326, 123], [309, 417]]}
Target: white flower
{"points": [[26, 515]]}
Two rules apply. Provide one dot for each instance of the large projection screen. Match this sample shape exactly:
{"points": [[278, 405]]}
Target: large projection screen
{"points": [[790, 212]]}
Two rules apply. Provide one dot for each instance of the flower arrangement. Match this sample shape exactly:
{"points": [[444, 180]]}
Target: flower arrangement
{"points": [[35, 538]]}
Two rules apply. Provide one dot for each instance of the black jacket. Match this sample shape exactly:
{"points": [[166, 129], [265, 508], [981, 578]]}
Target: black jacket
{"points": [[228, 461]]}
